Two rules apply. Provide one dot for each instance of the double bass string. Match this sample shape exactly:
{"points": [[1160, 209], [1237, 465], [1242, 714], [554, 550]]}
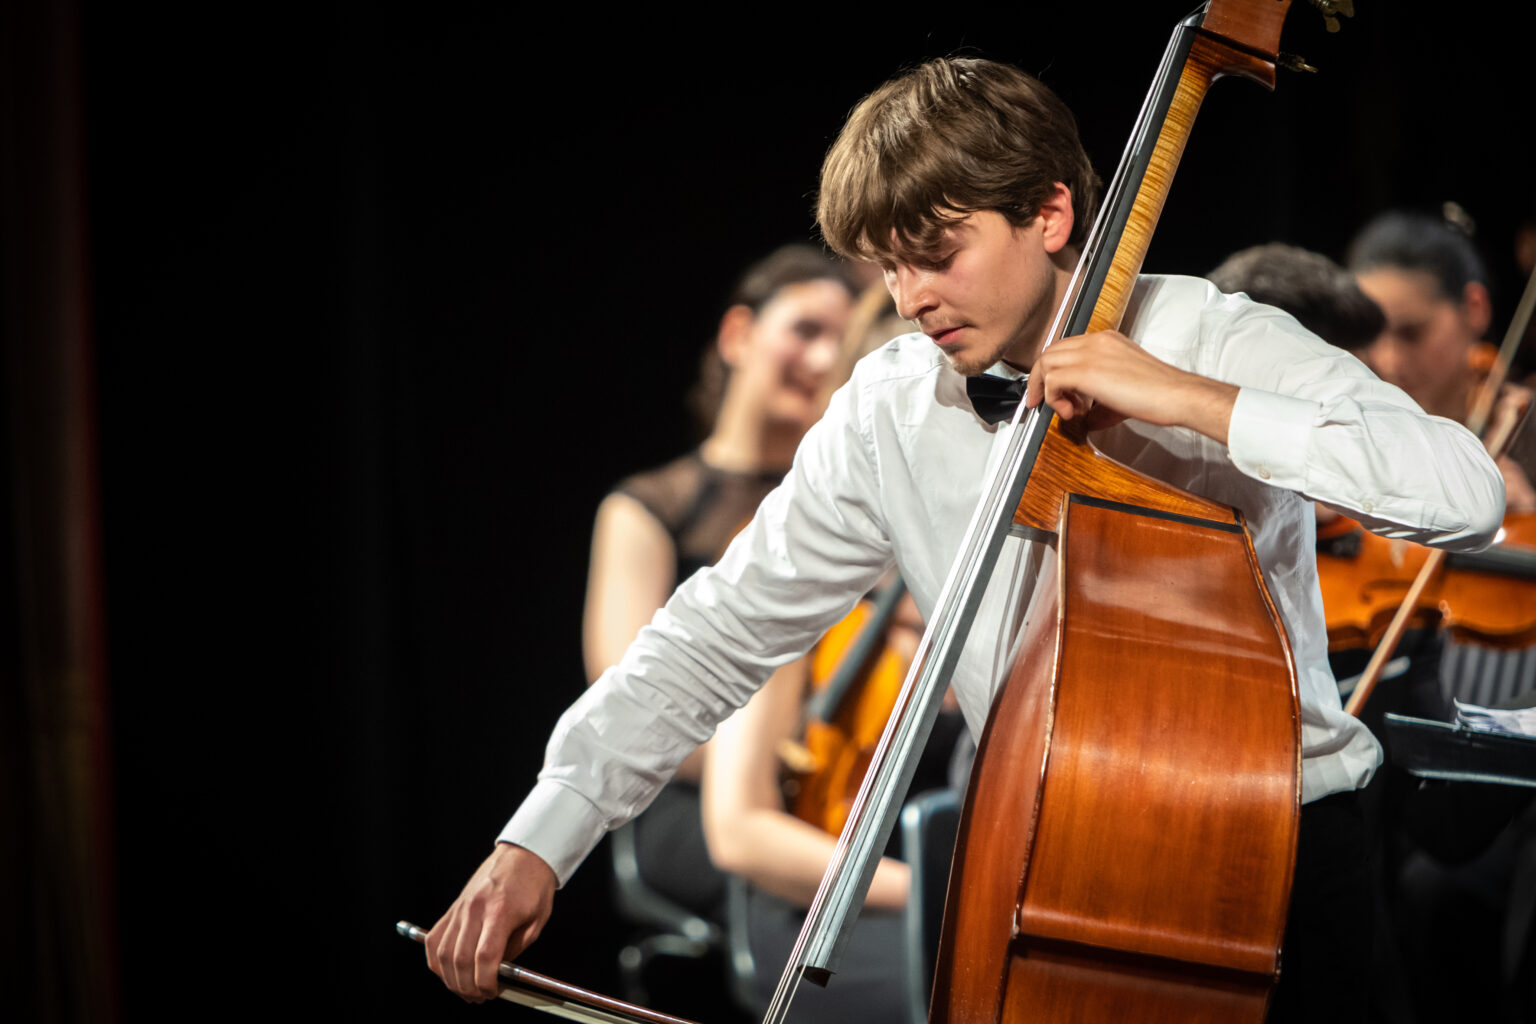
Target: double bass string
{"points": [[831, 914]]}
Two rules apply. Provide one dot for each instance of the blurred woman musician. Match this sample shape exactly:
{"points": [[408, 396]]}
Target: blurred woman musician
{"points": [[778, 839], [1427, 277], [762, 386]]}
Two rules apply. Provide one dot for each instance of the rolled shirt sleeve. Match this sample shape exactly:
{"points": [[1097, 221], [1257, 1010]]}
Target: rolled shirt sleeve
{"points": [[1326, 427]]}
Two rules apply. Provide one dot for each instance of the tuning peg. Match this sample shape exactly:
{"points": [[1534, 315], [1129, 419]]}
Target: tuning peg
{"points": [[1332, 9]]}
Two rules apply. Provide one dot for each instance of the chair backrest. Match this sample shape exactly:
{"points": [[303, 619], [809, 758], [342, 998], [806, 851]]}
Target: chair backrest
{"points": [[640, 903], [929, 824], [668, 929]]}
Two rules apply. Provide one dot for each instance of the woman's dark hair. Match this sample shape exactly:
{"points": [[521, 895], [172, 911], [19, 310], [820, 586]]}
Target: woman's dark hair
{"points": [[1403, 240], [755, 288], [787, 265]]}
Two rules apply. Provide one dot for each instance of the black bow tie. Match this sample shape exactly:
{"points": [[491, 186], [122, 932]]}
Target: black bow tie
{"points": [[995, 398]]}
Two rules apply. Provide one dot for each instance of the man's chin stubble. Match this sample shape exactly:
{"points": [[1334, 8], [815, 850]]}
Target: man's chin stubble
{"points": [[966, 368]]}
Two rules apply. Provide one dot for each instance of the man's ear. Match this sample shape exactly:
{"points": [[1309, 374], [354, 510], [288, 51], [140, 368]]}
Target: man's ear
{"points": [[1056, 218], [735, 328]]}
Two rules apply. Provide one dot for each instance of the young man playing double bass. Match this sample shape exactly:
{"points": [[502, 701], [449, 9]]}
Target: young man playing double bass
{"points": [[965, 181]]}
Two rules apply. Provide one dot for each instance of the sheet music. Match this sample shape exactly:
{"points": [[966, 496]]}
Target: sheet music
{"points": [[1508, 721]]}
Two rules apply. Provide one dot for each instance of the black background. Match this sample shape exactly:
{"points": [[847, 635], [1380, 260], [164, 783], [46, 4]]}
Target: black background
{"points": [[385, 299]]}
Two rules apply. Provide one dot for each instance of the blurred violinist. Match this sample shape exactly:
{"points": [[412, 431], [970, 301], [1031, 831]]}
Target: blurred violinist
{"points": [[748, 821], [1457, 866], [782, 858], [1327, 300], [1427, 277], [762, 385]]}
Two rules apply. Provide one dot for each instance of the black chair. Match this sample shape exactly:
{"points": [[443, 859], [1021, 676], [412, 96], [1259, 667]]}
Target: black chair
{"points": [[669, 929], [929, 824], [741, 965]]}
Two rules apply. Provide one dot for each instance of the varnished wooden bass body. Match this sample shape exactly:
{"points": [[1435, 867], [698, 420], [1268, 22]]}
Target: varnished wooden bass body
{"points": [[1130, 828], [1126, 847]]}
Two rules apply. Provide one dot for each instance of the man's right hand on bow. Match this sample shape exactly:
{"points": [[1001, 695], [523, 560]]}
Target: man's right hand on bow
{"points": [[500, 912]]}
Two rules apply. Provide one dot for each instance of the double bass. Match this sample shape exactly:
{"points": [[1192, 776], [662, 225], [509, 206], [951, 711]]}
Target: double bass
{"points": [[1130, 827]]}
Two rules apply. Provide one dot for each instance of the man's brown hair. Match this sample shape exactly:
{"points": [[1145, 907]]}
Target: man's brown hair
{"points": [[950, 137]]}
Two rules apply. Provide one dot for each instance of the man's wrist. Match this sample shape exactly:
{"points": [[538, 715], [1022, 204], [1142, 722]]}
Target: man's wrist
{"points": [[1208, 407], [558, 824], [524, 859]]}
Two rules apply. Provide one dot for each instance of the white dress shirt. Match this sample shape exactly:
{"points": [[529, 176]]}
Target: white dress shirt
{"points": [[894, 471]]}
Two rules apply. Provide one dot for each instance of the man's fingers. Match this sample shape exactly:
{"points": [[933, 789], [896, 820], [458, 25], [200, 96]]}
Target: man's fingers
{"points": [[500, 912], [437, 938], [461, 957], [494, 947], [1034, 390], [1053, 379], [484, 949], [1067, 402], [452, 946], [443, 945]]}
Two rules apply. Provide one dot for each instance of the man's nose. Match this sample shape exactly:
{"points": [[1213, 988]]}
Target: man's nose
{"points": [[912, 291]]}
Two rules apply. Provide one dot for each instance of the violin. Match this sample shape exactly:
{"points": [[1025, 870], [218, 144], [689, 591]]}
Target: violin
{"points": [[855, 677], [1485, 597]]}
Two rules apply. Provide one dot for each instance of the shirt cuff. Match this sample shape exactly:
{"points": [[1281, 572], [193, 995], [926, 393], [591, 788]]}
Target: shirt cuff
{"points": [[559, 825], [1268, 437]]}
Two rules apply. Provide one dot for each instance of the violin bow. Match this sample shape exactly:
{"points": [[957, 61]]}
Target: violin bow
{"points": [[540, 992], [1496, 445]]}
